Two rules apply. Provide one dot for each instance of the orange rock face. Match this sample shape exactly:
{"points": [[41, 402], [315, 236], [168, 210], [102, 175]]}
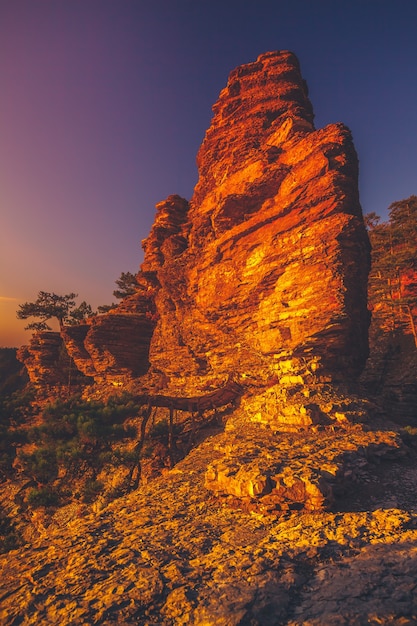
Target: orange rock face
{"points": [[263, 275], [73, 337], [118, 342], [43, 358], [267, 274]]}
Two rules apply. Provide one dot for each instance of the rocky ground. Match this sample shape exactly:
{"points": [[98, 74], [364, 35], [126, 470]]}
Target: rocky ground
{"points": [[175, 552]]}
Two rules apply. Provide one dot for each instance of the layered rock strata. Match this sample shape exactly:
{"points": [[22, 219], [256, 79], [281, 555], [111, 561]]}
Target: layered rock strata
{"points": [[267, 275], [57, 360], [118, 342], [292, 472], [262, 276], [43, 359], [74, 337]]}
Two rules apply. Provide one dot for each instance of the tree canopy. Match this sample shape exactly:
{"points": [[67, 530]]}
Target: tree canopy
{"points": [[49, 306], [81, 313], [64, 309], [393, 277]]}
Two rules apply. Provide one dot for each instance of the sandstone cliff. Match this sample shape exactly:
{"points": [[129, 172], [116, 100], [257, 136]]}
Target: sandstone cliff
{"points": [[43, 359], [253, 293], [263, 275]]}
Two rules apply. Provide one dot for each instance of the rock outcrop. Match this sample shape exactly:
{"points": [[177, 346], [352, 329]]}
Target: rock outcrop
{"points": [[73, 338], [43, 359], [57, 360], [250, 310], [264, 275], [118, 342]]}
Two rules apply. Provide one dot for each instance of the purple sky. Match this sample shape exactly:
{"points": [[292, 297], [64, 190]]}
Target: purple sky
{"points": [[104, 103]]}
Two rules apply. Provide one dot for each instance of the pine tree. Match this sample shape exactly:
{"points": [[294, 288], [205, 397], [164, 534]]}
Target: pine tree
{"points": [[393, 277], [47, 306], [127, 284]]}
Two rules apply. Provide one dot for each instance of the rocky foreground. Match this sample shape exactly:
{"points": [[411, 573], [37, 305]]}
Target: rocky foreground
{"points": [[177, 552]]}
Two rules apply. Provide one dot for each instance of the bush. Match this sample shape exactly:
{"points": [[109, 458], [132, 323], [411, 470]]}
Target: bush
{"points": [[160, 430], [11, 376], [78, 435], [18, 406], [41, 464], [44, 496], [91, 490], [9, 539], [69, 453], [7, 450], [13, 410]]}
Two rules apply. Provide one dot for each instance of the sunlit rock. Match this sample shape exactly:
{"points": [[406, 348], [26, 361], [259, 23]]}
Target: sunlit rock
{"points": [[269, 277], [45, 359], [263, 274]]}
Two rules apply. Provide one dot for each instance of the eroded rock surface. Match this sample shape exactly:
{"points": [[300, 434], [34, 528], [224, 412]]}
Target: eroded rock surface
{"points": [[169, 554], [264, 272], [267, 274], [43, 359], [73, 338], [258, 284], [118, 342]]}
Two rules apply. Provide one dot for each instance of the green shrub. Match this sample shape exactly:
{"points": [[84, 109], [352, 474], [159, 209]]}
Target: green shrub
{"points": [[160, 430], [7, 450], [44, 496], [69, 453], [41, 464], [91, 490], [18, 406], [78, 435]]}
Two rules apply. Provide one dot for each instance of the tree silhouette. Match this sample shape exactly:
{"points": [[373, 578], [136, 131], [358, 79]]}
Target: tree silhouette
{"points": [[80, 314], [47, 306], [127, 284]]}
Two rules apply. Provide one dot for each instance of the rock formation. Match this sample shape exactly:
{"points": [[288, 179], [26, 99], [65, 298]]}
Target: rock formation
{"points": [[54, 360], [118, 342], [251, 297], [266, 274]]}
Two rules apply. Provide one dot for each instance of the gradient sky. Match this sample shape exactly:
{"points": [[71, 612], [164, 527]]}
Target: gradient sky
{"points": [[104, 104]]}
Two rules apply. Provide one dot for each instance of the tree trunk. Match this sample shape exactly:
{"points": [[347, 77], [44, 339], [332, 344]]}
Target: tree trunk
{"points": [[412, 323], [138, 449], [171, 436]]}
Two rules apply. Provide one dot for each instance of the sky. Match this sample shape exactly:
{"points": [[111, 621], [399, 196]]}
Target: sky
{"points": [[104, 104]]}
